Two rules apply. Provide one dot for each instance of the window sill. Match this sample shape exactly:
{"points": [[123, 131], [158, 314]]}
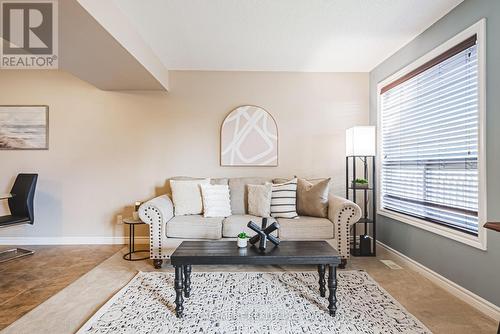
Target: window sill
{"points": [[478, 242]]}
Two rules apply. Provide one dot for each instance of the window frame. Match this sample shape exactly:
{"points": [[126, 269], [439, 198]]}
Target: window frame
{"points": [[478, 241]]}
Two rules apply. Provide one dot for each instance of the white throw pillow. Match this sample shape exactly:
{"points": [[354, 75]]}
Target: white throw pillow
{"points": [[216, 200], [284, 200], [259, 199], [186, 195]]}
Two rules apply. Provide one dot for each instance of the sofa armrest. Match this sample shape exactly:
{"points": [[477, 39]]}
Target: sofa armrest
{"points": [[156, 213], [343, 214]]}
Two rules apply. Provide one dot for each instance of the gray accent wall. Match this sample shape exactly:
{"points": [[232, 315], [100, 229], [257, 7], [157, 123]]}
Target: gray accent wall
{"points": [[473, 269]]}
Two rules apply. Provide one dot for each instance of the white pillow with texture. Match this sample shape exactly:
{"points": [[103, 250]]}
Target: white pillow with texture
{"points": [[216, 200], [186, 195], [259, 199]]}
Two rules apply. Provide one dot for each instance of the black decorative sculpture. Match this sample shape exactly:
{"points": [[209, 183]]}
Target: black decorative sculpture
{"points": [[264, 233]]}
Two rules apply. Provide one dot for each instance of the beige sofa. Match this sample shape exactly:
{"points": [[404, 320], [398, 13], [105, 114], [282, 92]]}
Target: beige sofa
{"points": [[158, 213]]}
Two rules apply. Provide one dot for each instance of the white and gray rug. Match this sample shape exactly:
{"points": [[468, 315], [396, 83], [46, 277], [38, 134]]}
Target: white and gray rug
{"points": [[224, 302]]}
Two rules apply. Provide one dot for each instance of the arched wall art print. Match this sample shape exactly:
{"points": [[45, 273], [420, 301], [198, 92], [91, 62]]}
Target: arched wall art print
{"points": [[249, 137]]}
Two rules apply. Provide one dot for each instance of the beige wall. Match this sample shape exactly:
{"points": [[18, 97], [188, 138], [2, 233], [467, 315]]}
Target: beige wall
{"points": [[109, 149]]}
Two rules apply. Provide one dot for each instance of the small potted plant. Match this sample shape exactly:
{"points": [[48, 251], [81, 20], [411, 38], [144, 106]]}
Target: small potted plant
{"points": [[360, 184], [242, 240]]}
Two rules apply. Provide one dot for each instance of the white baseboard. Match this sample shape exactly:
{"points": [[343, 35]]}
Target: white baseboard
{"points": [[481, 304], [71, 240]]}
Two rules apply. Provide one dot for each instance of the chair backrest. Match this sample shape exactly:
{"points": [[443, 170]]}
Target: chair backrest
{"points": [[23, 192]]}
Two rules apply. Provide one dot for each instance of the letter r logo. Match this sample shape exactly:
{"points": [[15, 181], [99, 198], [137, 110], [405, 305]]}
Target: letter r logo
{"points": [[27, 28]]}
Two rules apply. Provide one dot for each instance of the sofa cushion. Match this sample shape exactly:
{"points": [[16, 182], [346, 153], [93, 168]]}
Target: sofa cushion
{"points": [[186, 195], [284, 199], [216, 200], [283, 179], [305, 228], [312, 198], [168, 189], [194, 227], [238, 192], [214, 180], [259, 199], [235, 224]]}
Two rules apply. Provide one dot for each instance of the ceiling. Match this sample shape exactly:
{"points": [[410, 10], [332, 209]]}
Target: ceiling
{"points": [[117, 65], [280, 35]]}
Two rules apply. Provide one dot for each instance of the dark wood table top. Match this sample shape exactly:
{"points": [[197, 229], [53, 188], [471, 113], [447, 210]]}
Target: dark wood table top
{"points": [[495, 226], [226, 252]]}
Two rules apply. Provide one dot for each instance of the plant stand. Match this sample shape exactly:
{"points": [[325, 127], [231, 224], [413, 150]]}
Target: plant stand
{"points": [[131, 241], [365, 244]]}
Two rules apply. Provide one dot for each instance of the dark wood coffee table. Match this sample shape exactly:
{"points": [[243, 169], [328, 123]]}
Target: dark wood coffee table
{"points": [[190, 253]]}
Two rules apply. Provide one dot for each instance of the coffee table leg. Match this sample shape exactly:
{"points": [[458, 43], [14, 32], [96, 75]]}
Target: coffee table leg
{"points": [[332, 287], [187, 280], [322, 283], [178, 292]]}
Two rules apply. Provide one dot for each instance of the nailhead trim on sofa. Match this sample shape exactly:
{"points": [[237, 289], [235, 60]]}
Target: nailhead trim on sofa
{"points": [[159, 210]]}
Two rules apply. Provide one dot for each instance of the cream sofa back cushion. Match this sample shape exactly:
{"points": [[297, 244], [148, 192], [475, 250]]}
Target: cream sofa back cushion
{"points": [[186, 195], [239, 192], [213, 180]]}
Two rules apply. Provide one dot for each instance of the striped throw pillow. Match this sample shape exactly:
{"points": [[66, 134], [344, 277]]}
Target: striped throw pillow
{"points": [[284, 199]]}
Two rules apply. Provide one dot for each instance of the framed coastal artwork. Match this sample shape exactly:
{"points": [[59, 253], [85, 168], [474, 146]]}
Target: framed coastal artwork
{"points": [[24, 127], [249, 137]]}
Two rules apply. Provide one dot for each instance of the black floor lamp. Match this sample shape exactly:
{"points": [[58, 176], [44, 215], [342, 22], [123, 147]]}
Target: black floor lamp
{"points": [[360, 183]]}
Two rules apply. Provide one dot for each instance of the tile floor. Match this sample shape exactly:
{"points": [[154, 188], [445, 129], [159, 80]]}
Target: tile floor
{"points": [[69, 309]]}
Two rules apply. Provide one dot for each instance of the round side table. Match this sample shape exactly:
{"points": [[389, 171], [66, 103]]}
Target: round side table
{"points": [[131, 240]]}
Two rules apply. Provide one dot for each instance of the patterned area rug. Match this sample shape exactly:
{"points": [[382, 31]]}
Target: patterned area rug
{"points": [[281, 302]]}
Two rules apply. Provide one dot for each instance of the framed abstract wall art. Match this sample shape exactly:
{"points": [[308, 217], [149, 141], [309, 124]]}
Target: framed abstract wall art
{"points": [[249, 137], [24, 127]]}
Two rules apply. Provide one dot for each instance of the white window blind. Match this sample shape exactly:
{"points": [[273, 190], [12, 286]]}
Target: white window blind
{"points": [[429, 141]]}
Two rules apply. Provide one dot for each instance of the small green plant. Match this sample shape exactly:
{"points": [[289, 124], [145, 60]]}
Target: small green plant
{"points": [[243, 235], [361, 181]]}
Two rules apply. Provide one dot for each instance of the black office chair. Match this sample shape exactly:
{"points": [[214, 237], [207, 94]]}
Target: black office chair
{"points": [[20, 203]]}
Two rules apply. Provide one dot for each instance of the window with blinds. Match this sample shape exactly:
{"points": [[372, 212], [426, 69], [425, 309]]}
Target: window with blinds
{"points": [[429, 140]]}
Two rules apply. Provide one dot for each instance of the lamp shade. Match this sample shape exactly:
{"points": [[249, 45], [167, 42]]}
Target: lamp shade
{"points": [[360, 141]]}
